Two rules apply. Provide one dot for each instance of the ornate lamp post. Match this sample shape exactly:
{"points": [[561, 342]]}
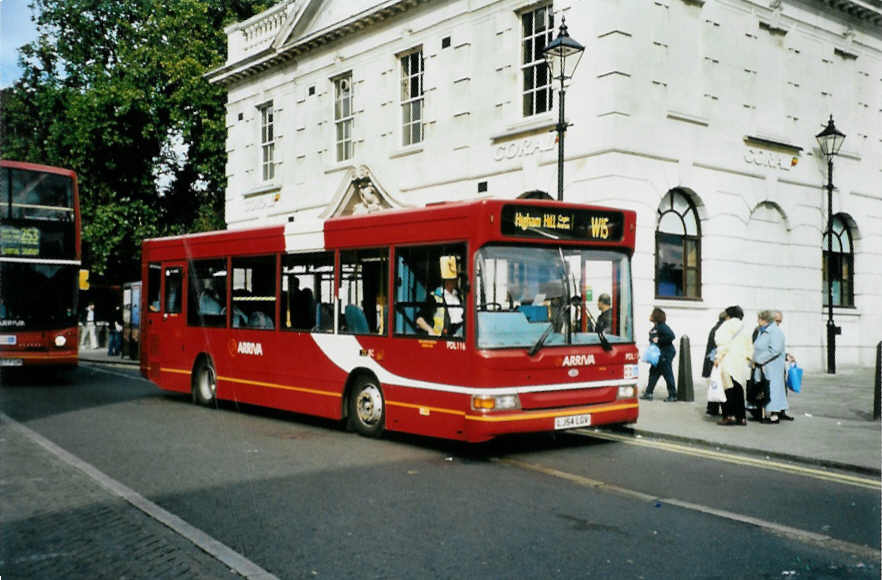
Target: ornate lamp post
{"points": [[830, 140], [562, 55]]}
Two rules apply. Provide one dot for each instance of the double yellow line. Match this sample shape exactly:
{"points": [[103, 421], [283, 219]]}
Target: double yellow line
{"points": [[854, 480]]}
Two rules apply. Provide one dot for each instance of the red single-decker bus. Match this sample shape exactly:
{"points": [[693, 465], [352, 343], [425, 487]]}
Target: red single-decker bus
{"points": [[463, 320]]}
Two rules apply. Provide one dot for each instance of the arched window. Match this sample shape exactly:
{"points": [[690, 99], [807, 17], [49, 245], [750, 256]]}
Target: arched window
{"points": [[841, 263], [677, 248]]}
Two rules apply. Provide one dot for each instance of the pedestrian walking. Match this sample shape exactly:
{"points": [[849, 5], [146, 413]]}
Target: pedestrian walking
{"points": [[710, 353], [769, 364], [734, 350], [115, 327], [663, 337], [89, 328]]}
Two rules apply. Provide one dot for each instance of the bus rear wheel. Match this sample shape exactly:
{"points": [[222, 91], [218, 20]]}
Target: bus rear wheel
{"points": [[204, 383], [367, 409]]}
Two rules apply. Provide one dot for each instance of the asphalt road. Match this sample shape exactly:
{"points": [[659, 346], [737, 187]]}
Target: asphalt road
{"points": [[303, 498]]}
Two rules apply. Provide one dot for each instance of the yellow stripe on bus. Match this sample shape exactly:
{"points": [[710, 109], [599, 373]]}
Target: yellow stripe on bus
{"points": [[259, 383], [531, 416], [283, 387], [422, 407]]}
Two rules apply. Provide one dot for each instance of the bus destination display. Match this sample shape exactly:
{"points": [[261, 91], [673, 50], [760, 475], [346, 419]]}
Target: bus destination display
{"points": [[19, 241], [562, 224]]}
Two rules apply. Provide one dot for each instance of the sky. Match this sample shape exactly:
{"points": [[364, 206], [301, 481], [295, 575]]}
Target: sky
{"points": [[16, 29]]}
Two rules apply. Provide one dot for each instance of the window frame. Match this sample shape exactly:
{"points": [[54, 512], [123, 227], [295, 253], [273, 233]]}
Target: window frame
{"points": [[318, 259], [343, 145], [686, 240], [270, 262], [381, 315], [845, 259], [433, 252], [531, 68], [195, 318], [408, 101], [267, 141]]}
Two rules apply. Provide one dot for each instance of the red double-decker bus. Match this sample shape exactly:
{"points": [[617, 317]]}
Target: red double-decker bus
{"points": [[462, 320], [39, 265]]}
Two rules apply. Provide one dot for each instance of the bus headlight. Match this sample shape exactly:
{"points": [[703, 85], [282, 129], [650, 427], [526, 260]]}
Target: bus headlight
{"points": [[632, 371], [495, 402], [628, 392], [60, 341]]}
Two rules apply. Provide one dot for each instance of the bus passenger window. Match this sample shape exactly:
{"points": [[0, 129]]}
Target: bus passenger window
{"points": [[254, 292], [154, 279], [207, 304], [307, 292], [429, 297], [364, 278], [173, 290]]}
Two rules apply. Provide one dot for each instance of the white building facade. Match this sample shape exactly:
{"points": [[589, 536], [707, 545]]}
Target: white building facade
{"points": [[700, 115]]}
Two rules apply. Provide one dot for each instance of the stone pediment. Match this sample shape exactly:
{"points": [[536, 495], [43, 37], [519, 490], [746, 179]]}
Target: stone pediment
{"points": [[360, 193]]}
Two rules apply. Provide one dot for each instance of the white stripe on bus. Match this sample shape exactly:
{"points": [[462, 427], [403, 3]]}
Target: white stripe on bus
{"points": [[344, 351]]}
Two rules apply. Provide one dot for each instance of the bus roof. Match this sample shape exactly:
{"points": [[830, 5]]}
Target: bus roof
{"points": [[451, 221], [37, 167]]}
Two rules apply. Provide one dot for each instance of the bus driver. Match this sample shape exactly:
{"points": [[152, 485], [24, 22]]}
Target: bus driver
{"points": [[443, 306]]}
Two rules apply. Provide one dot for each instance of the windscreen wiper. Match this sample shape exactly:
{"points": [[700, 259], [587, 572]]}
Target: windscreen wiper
{"points": [[565, 306]]}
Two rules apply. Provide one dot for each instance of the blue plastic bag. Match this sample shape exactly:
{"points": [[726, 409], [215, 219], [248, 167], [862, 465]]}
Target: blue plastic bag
{"points": [[794, 378], [651, 354]]}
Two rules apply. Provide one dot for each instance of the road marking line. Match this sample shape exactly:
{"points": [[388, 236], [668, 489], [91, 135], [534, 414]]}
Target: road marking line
{"points": [[842, 478], [820, 540], [234, 560]]}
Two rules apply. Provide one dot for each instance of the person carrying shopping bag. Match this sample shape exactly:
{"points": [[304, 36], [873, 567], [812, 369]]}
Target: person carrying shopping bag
{"points": [[662, 336], [734, 349]]}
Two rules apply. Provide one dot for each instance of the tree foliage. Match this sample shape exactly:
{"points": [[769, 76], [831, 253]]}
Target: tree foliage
{"points": [[115, 91]]}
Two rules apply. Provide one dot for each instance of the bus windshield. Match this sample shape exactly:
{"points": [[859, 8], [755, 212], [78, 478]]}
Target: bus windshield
{"points": [[37, 296], [36, 195], [551, 295]]}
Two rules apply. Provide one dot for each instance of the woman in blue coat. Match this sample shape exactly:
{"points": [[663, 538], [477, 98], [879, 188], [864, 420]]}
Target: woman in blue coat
{"points": [[663, 337], [768, 359]]}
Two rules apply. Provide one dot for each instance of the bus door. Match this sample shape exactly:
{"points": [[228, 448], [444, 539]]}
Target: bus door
{"points": [[163, 341], [172, 325]]}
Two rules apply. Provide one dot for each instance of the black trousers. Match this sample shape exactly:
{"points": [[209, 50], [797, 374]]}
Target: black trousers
{"points": [[734, 405], [662, 369]]}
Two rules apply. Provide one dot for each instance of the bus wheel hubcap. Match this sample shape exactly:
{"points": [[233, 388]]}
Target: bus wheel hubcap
{"points": [[369, 405], [207, 385]]}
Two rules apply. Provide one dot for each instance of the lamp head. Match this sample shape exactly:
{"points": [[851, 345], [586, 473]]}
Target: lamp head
{"points": [[830, 139], [562, 55]]}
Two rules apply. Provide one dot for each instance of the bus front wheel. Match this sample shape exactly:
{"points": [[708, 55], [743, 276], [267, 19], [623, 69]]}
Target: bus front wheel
{"points": [[367, 410], [204, 383]]}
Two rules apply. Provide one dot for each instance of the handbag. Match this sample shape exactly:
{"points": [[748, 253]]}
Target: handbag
{"points": [[715, 391], [651, 354], [794, 378], [758, 390]]}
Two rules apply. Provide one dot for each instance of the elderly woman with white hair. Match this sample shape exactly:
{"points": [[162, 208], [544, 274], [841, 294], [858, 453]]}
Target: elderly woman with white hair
{"points": [[768, 360]]}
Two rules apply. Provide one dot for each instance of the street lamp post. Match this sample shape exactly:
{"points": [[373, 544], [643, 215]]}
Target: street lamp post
{"points": [[830, 140], [562, 55]]}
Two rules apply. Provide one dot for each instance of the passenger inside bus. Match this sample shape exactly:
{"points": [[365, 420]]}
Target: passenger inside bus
{"points": [[209, 302], [443, 306], [604, 321]]}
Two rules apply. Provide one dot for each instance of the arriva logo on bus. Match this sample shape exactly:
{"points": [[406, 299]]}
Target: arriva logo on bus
{"points": [[250, 348], [578, 360]]}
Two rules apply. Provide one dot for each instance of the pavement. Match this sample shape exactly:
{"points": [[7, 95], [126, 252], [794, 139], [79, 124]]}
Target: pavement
{"points": [[833, 422]]}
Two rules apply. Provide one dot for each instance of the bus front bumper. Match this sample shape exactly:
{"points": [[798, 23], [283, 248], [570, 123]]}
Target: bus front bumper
{"points": [[482, 427]]}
